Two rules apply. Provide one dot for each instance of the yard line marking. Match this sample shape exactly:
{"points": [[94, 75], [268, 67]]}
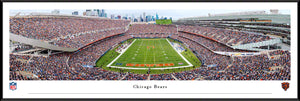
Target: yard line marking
{"points": [[162, 49], [146, 52], [120, 54], [154, 52], [139, 48], [142, 43]]}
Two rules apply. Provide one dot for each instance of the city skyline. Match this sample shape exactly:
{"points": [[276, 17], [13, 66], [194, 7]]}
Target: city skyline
{"points": [[174, 13]]}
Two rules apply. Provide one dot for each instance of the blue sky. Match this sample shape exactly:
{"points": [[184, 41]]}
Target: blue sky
{"points": [[174, 13]]}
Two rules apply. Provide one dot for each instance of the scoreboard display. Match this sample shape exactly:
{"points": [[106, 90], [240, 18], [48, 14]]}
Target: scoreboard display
{"points": [[163, 21]]}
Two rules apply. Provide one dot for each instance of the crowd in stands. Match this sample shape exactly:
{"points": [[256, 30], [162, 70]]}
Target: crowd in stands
{"points": [[258, 67], [152, 28], [207, 56], [283, 60], [51, 68], [132, 76], [49, 28], [188, 75], [84, 39], [89, 55], [277, 52], [148, 35], [224, 36], [243, 68], [18, 63], [123, 46], [174, 36], [70, 66], [161, 77], [67, 66], [108, 75], [16, 75], [210, 44]]}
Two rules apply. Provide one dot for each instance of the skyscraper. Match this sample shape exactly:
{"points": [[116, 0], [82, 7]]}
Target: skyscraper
{"points": [[152, 18], [141, 19], [157, 16], [98, 12], [135, 20], [144, 17], [148, 18], [102, 13], [119, 16], [112, 16]]}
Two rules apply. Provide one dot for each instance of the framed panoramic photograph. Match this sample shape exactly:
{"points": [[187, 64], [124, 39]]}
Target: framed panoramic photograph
{"points": [[150, 50]]}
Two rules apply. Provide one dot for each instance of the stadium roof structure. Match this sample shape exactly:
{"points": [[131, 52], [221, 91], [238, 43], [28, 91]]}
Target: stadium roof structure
{"points": [[276, 18], [258, 21], [39, 43]]}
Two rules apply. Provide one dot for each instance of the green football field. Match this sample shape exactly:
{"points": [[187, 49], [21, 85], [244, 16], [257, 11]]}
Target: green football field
{"points": [[150, 53], [156, 54]]}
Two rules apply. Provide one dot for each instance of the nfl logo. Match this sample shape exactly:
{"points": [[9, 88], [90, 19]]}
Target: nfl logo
{"points": [[12, 86]]}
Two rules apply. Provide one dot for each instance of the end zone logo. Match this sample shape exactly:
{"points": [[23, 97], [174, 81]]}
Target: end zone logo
{"points": [[13, 86], [285, 85]]}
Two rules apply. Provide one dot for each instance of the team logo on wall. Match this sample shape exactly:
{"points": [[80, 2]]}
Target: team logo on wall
{"points": [[285, 85], [13, 86]]}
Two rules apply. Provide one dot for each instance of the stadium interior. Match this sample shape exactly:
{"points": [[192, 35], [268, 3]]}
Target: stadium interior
{"points": [[62, 47]]}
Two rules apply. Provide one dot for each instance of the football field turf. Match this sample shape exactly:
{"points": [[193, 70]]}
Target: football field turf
{"points": [[153, 53]]}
